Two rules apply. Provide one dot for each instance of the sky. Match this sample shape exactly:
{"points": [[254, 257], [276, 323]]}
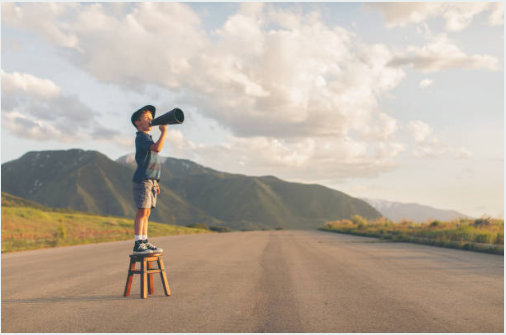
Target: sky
{"points": [[396, 101]]}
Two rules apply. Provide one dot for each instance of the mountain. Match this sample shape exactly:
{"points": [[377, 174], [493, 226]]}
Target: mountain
{"points": [[397, 211], [190, 193], [87, 181], [257, 202]]}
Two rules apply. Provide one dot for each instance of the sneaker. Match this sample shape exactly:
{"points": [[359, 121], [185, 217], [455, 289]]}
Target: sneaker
{"points": [[152, 247], [141, 248]]}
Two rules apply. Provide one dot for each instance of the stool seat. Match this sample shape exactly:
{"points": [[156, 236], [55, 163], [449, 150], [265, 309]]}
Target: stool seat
{"points": [[146, 271], [146, 255]]}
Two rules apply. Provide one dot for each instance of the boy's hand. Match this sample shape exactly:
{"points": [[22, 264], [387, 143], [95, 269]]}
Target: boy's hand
{"points": [[159, 144]]}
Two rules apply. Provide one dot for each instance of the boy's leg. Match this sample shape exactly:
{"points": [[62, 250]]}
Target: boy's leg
{"points": [[145, 195], [141, 221], [155, 190], [143, 199], [145, 227]]}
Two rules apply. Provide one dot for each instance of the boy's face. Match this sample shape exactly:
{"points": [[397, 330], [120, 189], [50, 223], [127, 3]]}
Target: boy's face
{"points": [[143, 124]]}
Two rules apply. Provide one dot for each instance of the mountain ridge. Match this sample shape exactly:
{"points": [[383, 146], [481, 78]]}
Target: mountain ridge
{"points": [[190, 193], [393, 210], [397, 211]]}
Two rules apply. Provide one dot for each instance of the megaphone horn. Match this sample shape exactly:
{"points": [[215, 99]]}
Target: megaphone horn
{"points": [[174, 116]]}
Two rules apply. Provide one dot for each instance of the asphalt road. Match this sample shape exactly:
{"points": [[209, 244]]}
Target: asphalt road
{"points": [[277, 281]]}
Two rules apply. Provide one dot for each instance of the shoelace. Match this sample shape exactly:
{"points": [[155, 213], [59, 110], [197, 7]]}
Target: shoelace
{"points": [[142, 246], [149, 245]]}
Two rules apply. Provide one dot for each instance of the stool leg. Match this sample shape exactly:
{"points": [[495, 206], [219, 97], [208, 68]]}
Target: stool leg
{"points": [[164, 277], [130, 276], [150, 278], [144, 291]]}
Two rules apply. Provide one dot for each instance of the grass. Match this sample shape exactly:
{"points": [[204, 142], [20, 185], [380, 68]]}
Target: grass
{"points": [[26, 228], [484, 234]]}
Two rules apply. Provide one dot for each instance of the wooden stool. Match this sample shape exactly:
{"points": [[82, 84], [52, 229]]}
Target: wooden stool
{"points": [[146, 271]]}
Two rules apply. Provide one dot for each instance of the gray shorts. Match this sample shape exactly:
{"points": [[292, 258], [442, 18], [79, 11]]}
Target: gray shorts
{"points": [[145, 193]]}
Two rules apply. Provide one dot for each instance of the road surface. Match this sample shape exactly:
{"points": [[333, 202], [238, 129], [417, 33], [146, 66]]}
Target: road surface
{"points": [[271, 281]]}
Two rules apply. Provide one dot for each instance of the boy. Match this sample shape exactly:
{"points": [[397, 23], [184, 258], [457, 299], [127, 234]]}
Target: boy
{"points": [[147, 175]]}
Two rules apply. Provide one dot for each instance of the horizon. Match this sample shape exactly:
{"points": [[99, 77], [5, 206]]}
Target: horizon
{"points": [[402, 102]]}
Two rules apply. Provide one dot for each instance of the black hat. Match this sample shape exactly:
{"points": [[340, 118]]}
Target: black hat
{"points": [[135, 116]]}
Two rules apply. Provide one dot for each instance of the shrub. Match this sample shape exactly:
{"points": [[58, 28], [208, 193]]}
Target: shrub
{"points": [[499, 238], [61, 232], [330, 225], [357, 219], [435, 223], [482, 222], [405, 222], [483, 238], [220, 229], [198, 225]]}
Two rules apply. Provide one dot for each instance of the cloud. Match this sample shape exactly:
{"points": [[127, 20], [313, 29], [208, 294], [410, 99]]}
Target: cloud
{"points": [[441, 54], [41, 88], [306, 160], [297, 96], [23, 126], [457, 16], [426, 83], [36, 108], [429, 146], [109, 135], [420, 131], [401, 14], [462, 153], [496, 18], [49, 20], [255, 79], [42, 99], [151, 44]]}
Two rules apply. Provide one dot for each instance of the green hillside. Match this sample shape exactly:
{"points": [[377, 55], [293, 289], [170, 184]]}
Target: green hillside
{"points": [[27, 225], [9, 200]]}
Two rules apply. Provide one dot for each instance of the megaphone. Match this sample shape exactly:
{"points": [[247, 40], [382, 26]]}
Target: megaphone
{"points": [[174, 116]]}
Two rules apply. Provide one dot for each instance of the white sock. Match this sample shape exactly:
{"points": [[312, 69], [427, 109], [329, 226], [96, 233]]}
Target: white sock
{"points": [[144, 237], [138, 237]]}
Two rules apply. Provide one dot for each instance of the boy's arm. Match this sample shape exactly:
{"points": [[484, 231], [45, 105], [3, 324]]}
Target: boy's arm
{"points": [[159, 144]]}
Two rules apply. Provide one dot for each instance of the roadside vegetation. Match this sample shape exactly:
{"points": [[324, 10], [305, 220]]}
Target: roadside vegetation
{"points": [[27, 225], [219, 229], [484, 234]]}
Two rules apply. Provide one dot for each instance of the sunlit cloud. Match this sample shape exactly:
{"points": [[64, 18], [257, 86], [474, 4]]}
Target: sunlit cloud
{"points": [[426, 83], [457, 15], [428, 144], [440, 53]]}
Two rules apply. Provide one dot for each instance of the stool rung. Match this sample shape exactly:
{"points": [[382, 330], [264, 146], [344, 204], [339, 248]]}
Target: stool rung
{"points": [[147, 271]]}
